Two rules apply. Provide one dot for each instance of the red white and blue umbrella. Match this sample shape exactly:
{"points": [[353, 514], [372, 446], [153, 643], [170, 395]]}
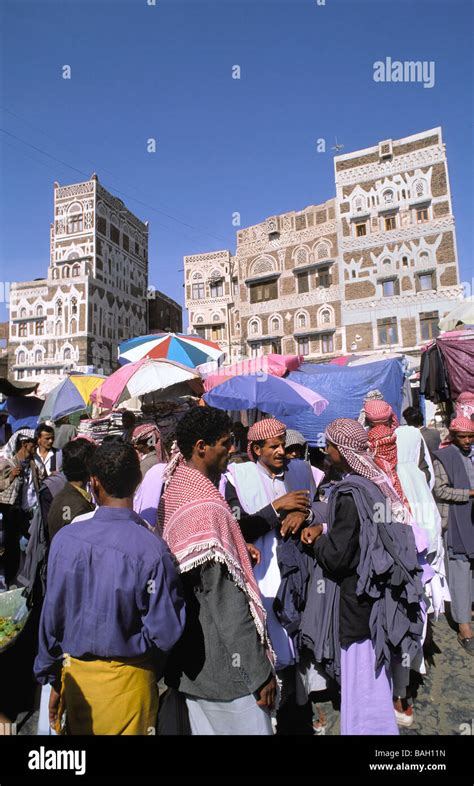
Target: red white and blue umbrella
{"points": [[190, 351]]}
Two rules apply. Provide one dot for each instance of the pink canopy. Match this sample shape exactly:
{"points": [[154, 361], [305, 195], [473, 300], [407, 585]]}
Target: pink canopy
{"points": [[275, 365]]}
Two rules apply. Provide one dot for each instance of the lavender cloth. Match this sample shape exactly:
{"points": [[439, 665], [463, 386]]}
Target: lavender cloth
{"points": [[112, 592], [148, 494], [366, 695]]}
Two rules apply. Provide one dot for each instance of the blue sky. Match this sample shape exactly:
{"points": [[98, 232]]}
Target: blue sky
{"points": [[223, 145]]}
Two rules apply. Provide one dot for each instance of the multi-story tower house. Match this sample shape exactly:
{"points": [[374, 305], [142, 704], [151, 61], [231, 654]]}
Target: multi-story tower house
{"points": [[372, 270], [397, 242], [279, 293], [95, 292]]}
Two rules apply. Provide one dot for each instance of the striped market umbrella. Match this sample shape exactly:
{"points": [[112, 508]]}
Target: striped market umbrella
{"points": [[71, 395], [190, 351]]}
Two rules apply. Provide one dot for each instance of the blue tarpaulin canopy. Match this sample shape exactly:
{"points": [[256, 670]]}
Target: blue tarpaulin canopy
{"points": [[345, 387]]}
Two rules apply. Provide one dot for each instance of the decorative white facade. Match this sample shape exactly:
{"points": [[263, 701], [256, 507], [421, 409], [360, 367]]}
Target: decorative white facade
{"points": [[373, 269], [94, 295]]}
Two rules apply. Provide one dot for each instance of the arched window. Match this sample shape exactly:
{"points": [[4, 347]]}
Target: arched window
{"points": [[67, 354], [58, 328], [301, 321], [55, 272], [275, 325], [199, 320], [423, 257], [75, 220], [301, 257], [59, 307], [73, 255], [358, 204], [386, 262], [322, 251], [76, 271], [254, 327], [215, 317], [22, 313], [74, 306], [65, 272], [21, 357], [39, 311], [404, 193], [419, 188], [325, 316], [38, 356], [387, 196]]}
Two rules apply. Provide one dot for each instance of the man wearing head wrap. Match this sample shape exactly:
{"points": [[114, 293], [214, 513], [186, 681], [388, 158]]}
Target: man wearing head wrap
{"points": [[271, 498], [222, 666], [19, 490], [370, 609], [382, 423], [146, 439], [454, 492]]}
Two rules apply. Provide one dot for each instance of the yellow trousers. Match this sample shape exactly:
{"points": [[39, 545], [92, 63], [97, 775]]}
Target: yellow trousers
{"points": [[108, 696]]}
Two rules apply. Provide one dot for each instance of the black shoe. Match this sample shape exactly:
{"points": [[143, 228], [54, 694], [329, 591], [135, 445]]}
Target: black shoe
{"points": [[467, 644]]}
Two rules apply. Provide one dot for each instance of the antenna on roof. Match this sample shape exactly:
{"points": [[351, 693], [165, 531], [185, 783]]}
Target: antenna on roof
{"points": [[337, 146]]}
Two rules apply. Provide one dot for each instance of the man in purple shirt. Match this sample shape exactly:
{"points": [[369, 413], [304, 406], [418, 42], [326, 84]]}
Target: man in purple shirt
{"points": [[113, 608]]}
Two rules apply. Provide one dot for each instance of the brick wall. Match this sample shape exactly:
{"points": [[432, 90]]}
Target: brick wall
{"points": [[359, 289], [418, 144], [407, 283], [408, 336], [445, 252], [440, 209], [439, 184], [364, 330], [449, 277]]}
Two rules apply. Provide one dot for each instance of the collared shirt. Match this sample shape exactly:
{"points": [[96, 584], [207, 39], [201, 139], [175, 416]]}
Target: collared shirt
{"points": [[278, 486], [44, 465], [113, 592]]}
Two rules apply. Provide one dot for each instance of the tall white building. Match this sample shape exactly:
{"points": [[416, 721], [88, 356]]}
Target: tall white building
{"points": [[95, 292]]}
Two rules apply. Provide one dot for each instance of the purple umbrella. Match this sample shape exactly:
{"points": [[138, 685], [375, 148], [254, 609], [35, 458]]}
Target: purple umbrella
{"points": [[273, 395]]}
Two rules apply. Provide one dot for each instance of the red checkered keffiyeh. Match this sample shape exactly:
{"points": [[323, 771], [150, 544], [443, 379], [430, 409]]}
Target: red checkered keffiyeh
{"points": [[462, 425], [352, 442], [383, 441], [198, 526], [264, 429]]}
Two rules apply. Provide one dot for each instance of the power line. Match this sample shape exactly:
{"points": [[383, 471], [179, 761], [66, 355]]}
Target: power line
{"points": [[159, 211]]}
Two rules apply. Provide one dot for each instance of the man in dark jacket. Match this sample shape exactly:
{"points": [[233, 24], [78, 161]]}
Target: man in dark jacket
{"points": [[454, 492], [73, 499]]}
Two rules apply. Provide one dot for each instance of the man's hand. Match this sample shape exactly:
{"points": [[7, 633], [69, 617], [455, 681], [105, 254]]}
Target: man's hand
{"points": [[254, 553], [310, 534], [266, 694], [53, 708], [292, 523], [15, 472], [294, 500]]}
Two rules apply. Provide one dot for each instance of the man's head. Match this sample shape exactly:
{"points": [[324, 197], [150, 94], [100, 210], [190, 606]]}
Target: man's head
{"points": [[462, 433], [128, 419], [413, 416], [77, 456], [115, 472], [377, 412], [266, 444], [204, 438], [295, 444], [347, 446], [44, 437], [25, 445]]}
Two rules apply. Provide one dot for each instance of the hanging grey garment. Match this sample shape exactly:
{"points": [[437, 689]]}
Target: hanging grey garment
{"points": [[388, 573], [319, 628], [296, 566], [33, 574]]}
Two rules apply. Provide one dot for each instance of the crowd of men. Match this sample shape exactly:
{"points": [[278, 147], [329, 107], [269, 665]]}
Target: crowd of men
{"points": [[235, 572]]}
